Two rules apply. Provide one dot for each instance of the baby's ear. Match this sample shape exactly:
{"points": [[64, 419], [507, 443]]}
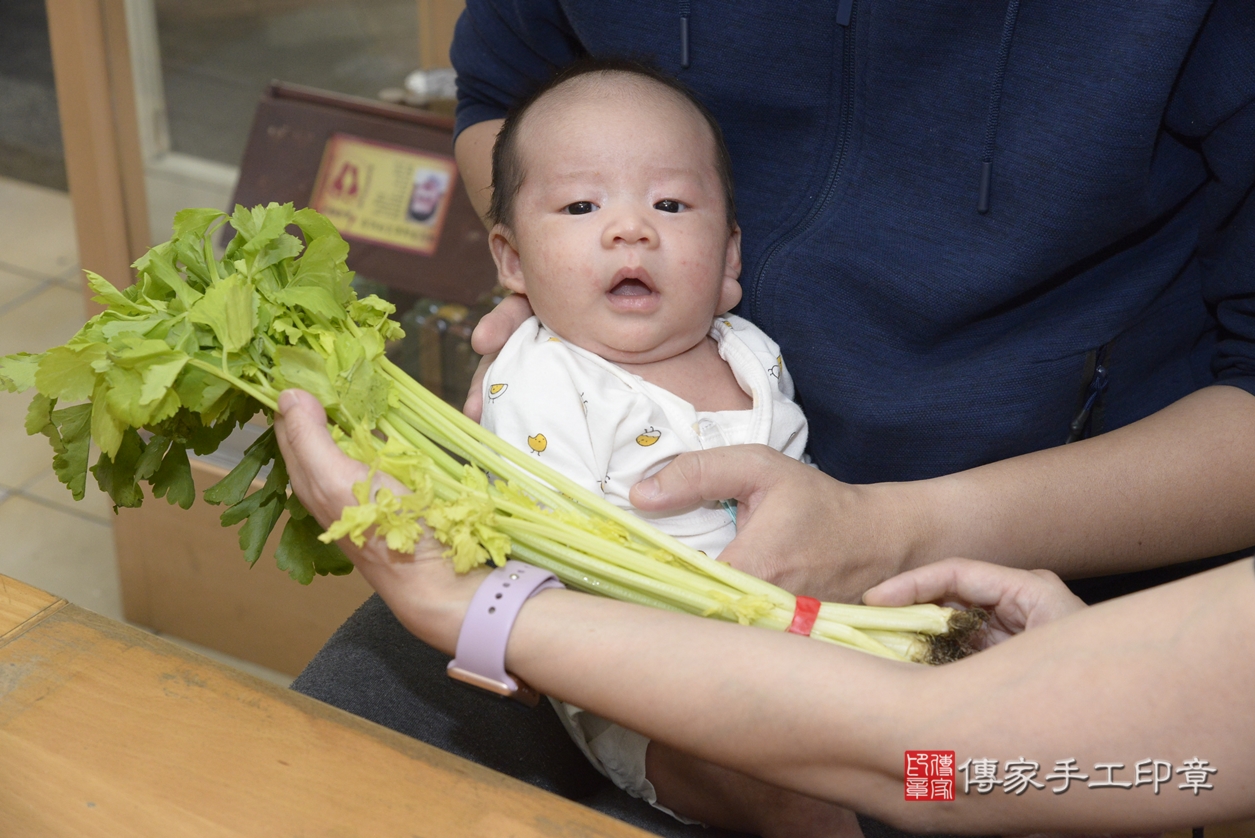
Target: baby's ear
{"points": [[506, 255], [730, 293]]}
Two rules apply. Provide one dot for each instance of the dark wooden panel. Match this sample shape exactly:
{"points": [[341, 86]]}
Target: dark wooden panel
{"points": [[290, 130]]}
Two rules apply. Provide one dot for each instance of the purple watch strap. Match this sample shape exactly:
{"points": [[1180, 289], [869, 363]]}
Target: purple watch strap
{"points": [[480, 658]]}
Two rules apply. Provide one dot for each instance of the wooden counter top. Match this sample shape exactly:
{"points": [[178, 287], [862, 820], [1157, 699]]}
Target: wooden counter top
{"points": [[106, 730], [21, 604]]}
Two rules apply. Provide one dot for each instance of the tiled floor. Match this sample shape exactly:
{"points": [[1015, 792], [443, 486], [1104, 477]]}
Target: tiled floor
{"points": [[46, 538]]}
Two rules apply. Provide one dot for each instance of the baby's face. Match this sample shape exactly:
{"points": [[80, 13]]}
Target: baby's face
{"points": [[620, 237]]}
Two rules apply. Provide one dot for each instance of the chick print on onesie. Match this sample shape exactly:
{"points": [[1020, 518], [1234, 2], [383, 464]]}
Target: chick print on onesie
{"points": [[608, 429]]}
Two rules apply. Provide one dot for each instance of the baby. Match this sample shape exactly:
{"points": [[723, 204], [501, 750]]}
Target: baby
{"points": [[613, 210]]}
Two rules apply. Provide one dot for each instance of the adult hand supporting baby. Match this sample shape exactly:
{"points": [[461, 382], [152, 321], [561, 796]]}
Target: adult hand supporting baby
{"points": [[796, 527], [491, 333], [813, 535]]}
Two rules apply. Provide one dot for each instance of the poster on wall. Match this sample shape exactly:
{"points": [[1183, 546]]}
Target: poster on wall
{"points": [[384, 194]]}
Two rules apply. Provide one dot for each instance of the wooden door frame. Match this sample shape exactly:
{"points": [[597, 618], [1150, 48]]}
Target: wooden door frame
{"points": [[436, 19], [99, 127]]}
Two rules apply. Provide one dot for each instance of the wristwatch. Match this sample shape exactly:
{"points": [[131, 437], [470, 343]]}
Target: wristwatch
{"points": [[480, 657]]}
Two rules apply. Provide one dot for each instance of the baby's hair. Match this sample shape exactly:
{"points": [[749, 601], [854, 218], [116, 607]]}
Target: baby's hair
{"points": [[507, 167]]}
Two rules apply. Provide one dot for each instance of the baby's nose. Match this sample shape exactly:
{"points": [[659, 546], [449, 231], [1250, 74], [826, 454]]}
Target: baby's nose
{"points": [[629, 228]]}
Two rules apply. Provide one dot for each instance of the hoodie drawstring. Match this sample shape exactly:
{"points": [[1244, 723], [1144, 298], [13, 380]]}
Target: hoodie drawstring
{"points": [[995, 103], [684, 34]]}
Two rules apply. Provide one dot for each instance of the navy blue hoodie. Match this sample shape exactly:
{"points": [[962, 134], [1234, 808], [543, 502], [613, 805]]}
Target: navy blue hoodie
{"points": [[975, 228]]}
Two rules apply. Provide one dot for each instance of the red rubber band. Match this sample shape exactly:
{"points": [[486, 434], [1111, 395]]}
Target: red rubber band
{"points": [[804, 615]]}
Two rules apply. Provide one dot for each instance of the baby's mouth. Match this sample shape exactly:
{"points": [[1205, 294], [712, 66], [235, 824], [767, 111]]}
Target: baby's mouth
{"points": [[632, 282], [630, 287]]}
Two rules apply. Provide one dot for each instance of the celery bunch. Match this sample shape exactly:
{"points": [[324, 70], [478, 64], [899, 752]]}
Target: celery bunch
{"points": [[198, 345]]}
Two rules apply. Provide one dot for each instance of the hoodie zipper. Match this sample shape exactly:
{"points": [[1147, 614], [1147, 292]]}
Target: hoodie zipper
{"points": [[995, 107], [846, 17], [844, 10]]}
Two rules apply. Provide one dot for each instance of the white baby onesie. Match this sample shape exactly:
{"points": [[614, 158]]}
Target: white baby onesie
{"points": [[607, 429]]}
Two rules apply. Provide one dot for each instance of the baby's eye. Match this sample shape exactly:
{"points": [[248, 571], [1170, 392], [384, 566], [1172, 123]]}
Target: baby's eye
{"points": [[669, 205], [579, 208]]}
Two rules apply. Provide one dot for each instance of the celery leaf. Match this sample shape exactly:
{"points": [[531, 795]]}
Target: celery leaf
{"points": [[149, 461], [228, 308], [39, 415], [195, 222], [66, 371], [106, 428], [314, 225], [198, 390], [323, 266], [231, 489], [315, 300], [108, 295], [283, 247], [116, 474], [70, 461], [17, 372], [158, 264], [302, 555], [262, 510], [173, 479], [307, 370]]}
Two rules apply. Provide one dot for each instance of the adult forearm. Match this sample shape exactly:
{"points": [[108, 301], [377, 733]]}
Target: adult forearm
{"points": [[736, 696], [473, 151], [1158, 675], [1171, 487]]}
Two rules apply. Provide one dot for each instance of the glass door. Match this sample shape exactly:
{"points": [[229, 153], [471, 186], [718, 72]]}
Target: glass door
{"points": [[200, 68]]}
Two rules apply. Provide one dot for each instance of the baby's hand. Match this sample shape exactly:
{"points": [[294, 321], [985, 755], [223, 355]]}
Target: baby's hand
{"points": [[1017, 600], [491, 333]]}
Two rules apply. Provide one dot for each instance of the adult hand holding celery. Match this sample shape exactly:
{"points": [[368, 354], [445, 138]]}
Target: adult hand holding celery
{"points": [[199, 345]]}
